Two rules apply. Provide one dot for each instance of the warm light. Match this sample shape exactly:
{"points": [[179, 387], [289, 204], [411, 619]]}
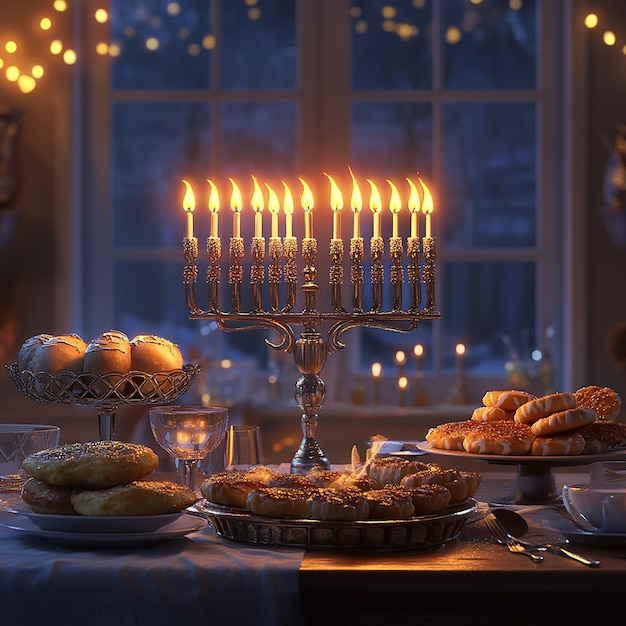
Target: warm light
{"points": [[258, 204], [209, 42], [414, 208], [460, 349], [403, 382], [12, 73], [395, 204], [26, 83], [288, 210], [69, 57], [189, 205], [101, 16], [609, 38], [114, 50], [307, 204], [356, 204], [377, 369], [418, 350], [172, 8], [226, 364], [453, 35], [152, 43], [10, 47], [427, 207], [37, 71], [235, 204], [102, 48], [214, 207], [45, 23], [193, 49], [273, 206], [591, 20], [56, 46], [1, 63], [400, 357], [59, 5], [336, 204], [376, 205]]}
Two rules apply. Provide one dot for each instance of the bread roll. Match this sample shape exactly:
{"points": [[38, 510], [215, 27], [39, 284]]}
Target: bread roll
{"points": [[61, 353], [108, 354], [27, 351], [151, 354]]}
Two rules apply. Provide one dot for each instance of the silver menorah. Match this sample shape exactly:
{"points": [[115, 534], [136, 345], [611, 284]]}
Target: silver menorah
{"points": [[311, 348]]}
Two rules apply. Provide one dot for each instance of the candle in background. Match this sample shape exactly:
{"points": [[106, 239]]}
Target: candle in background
{"points": [[288, 210], [273, 206], [189, 204], [395, 204], [214, 207], [258, 205], [427, 207], [460, 358], [356, 204], [377, 370], [418, 351], [336, 204], [307, 204], [236, 203], [375, 206], [403, 383], [400, 359], [414, 208]]}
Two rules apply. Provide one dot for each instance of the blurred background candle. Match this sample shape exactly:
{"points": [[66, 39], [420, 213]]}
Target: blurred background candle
{"points": [[189, 205], [336, 204], [214, 207], [273, 206], [288, 210], [459, 393], [418, 351], [377, 370], [258, 205], [395, 204], [236, 202], [414, 208], [460, 358], [400, 359], [420, 397], [375, 206], [356, 204], [403, 384], [427, 207], [307, 204]]}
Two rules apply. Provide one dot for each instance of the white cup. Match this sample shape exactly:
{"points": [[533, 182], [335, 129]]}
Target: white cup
{"points": [[243, 447], [604, 508]]}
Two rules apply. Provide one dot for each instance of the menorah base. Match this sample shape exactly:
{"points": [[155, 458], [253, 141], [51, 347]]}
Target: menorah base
{"points": [[309, 457]]}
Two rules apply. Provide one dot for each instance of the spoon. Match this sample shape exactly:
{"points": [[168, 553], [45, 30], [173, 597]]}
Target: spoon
{"points": [[516, 525]]}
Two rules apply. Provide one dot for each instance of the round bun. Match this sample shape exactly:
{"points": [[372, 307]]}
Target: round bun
{"points": [[61, 353], [27, 350], [491, 414], [44, 498], [450, 435], [390, 503], [151, 354], [565, 444], [563, 421], [504, 437], [603, 435], [141, 497], [233, 488], [289, 502], [429, 499], [606, 402], [109, 353], [391, 470], [92, 465], [338, 504]]}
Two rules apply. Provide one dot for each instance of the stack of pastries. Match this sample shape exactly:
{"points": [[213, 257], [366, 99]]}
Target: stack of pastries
{"points": [[515, 422], [100, 478], [389, 488]]}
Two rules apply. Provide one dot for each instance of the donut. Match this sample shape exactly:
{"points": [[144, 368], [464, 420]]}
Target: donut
{"points": [[491, 414], [27, 350], [44, 498], [281, 502], [563, 421], [508, 400], [327, 503], [428, 499], [450, 435], [565, 444], [504, 437], [233, 488], [140, 497], [390, 502], [91, 465], [108, 354], [606, 402], [531, 411], [603, 435], [390, 470]]}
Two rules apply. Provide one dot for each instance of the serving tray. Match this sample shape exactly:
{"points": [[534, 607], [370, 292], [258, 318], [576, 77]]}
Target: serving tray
{"points": [[422, 531]]}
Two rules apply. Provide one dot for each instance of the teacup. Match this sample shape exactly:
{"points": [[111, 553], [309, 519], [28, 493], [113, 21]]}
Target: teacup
{"points": [[604, 508], [608, 475]]}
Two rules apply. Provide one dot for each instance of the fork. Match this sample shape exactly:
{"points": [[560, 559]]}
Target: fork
{"points": [[503, 537]]}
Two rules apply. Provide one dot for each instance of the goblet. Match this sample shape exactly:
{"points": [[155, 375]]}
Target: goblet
{"points": [[188, 433]]}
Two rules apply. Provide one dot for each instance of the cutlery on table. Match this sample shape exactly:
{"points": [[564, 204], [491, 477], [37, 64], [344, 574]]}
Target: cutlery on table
{"points": [[503, 537]]}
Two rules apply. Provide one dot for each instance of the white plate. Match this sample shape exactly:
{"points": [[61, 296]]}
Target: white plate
{"points": [[184, 525], [90, 524], [553, 521]]}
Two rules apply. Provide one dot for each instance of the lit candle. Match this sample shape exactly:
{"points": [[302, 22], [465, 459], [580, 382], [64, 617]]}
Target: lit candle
{"points": [[336, 204], [427, 207], [356, 204], [376, 207], [460, 357], [288, 210], [395, 204], [257, 204], [307, 204], [418, 351], [189, 204], [273, 205], [235, 204], [414, 208], [214, 207], [400, 358], [377, 369]]}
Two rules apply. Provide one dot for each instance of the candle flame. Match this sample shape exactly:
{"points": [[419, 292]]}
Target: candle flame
{"points": [[414, 197], [307, 196], [273, 204], [377, 369], [418, 350], [400, 357], [395, 204], [427, 203], [257, 197], [356, 201], [287, 200], [376, 204], [336, 197], [236, 200], [189, 200], [460, 349], [403, 382], [214, 197]]}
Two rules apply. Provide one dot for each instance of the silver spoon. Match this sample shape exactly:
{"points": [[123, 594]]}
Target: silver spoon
{"points": [[516, 525]]}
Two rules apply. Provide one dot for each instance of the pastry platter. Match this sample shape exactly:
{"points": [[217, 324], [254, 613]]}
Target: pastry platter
{"points": [[422, 531]]}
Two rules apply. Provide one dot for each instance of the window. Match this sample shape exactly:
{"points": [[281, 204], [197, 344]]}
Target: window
{"points": [[458, 91]]}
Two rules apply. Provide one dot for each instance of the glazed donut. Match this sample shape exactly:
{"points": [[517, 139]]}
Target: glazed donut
{"points": [[390, 502], [233, 488], [140, 497], [533, 410], [109, 353], [25, 355], [282, 502], [563, 421], [91, 465], [428, 499], [390, 470], [44, 498], [566, 444], [491, 414], [327, 503], [508, 400], [603, 435], [450, 435], [504, 437], [606, 402]]}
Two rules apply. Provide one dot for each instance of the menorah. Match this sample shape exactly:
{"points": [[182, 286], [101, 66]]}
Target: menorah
{"points": [[311, 348]]}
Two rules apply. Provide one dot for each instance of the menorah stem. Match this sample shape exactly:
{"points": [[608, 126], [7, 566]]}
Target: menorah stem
{"points": [[413, 251], [356, 273], [378, 272], [235, 273], [190, 272], [335, 278], [429, 271], [214, 252], [290, 250], [397, 272], [274, 272], [309, 288]]}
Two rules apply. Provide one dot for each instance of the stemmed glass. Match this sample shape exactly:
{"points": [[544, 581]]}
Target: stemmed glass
{"points": [[189, 433]]}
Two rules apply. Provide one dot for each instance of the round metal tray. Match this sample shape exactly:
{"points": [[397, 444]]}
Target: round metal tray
{"points": [[417, 532]]}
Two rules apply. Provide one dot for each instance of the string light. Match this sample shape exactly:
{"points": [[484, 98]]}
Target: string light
{"points": [[592, 21]]}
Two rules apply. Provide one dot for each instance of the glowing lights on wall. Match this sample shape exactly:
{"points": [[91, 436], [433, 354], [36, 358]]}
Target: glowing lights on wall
{"points": [[592, 21]]}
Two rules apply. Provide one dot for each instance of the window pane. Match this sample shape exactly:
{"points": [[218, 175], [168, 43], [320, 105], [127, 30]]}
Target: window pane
{"points": [[156, 40], [155, 145], [490, 45], [489, 175], [489, 306], [391, 44], [259, 45]]}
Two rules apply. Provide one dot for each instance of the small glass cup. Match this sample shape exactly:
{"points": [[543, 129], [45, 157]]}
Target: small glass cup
{"points": [[243, 447], [17, 441]]}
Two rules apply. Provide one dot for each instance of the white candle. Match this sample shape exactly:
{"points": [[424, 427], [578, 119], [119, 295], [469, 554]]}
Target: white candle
{"points": [[375, 207], [414, 208], [460, 357], [214, 207], [356, 204], [395, 204], [336, 204], [307, 205], [257, 204], [235, 204], [189, 205], [427, 207]]}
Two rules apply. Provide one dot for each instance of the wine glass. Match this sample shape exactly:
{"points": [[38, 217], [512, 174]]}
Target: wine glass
{"points": [[189, 433]]}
